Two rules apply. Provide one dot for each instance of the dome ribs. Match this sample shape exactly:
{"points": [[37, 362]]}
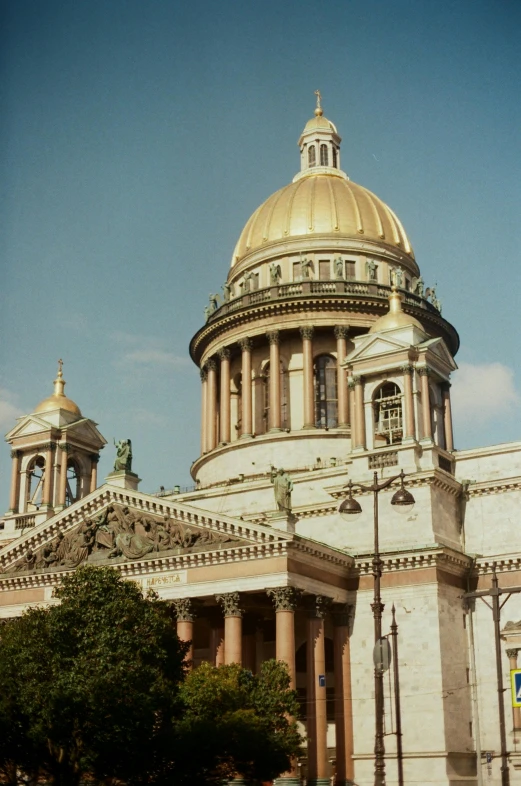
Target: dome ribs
{"points": [[289, 211], [274, 202], [359, 224], [334, 206]]}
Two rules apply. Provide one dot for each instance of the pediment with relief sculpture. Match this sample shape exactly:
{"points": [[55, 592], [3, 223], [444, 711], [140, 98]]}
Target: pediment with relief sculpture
{"points": [[111, 527]]}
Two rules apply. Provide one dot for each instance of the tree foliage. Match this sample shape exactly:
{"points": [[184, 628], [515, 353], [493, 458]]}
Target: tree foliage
{"points": [[95, 686]]}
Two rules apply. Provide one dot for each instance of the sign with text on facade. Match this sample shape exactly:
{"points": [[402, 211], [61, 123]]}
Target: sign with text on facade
{"points": [[515, 681], [163, 582]]}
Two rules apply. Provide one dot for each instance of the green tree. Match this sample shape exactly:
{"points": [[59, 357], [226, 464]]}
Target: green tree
{"points": [[236, 723], [91, 685]]}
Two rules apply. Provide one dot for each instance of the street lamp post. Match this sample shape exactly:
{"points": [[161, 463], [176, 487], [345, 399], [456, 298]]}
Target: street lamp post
{"points": [[404, 500]]}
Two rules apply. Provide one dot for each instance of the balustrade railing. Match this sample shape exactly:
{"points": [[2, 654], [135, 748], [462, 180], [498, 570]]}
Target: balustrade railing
{"points": [[315, 287], [24, 522]]}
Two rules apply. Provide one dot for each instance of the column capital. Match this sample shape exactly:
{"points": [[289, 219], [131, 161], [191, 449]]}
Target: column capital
{"points": [[512, 653], [341, 614], [307, 332], [284, 598], [203, 373], [446, 386], [64, 446], [246, 344], [407, 369], [318, 606], [211, 364], [341, 332], [183, 609], [48, 446], [224, 353], [230, 602], [424, 371], [354, 380], [94, 457], [16, 454], [273, 336]]}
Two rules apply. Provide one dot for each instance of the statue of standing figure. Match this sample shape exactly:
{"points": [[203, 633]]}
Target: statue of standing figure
{"points": [[282, 487], [306, 267], [397, 277], [339, 267], [275, 274], [123, 462]]}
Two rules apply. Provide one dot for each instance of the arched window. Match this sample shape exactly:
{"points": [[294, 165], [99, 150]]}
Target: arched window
{"points": [[324, 159], [387, 404], [335, 160], [312, 156], [326, 403], [283, 397], [35, 480], [73, 483]]}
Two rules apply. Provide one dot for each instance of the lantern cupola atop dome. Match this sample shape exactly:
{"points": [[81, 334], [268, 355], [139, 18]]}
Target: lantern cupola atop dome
{"points": [[319, 145]]}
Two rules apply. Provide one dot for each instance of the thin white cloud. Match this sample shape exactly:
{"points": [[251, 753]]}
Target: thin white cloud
{"points": [[8, 410], [135, 351], [484, 392]]}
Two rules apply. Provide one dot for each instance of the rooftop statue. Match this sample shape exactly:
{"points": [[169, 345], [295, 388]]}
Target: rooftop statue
{"points": [[228, 292], [307, 267], [123, 462], [275, 273], [397, 277], [371, 269], [282, 488], [418, 286]]}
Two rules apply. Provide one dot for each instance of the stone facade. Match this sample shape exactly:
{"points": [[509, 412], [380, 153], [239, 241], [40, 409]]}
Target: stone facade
{"points": [[325, 359]]}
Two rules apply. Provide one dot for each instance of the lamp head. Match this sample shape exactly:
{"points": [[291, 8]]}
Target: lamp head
{"points": [[350, 507], [402, 499]]}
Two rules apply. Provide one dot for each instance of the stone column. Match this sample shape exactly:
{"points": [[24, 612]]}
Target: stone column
{"points": [[447, 419], [343, 404], [14, 495], [204, 397], [359, 415], [211, 408], [316, 693], [345, 771], [94, 471], [247, 425], [48, 477], [352, 410], [516, 711], [308, 387], [274, 339], [409, 432], [224, 420], [184, 612], [285, 600], [424, 373], [230, 603], [62, 486]]}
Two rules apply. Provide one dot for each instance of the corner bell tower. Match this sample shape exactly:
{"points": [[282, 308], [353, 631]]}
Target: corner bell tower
{"points": [[54, 452]]}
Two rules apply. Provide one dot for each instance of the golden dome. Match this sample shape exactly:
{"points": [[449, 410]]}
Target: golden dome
{"points": [[319, 123], [395, 317], [326, 203], [58, 400]]}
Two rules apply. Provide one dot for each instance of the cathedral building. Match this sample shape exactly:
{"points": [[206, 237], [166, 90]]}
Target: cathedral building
{"points": [[326, 361]]}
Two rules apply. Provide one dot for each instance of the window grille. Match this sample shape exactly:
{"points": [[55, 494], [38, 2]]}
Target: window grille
{"points": [[323, 156], [312, 156], [388, 413], [326, 396]]}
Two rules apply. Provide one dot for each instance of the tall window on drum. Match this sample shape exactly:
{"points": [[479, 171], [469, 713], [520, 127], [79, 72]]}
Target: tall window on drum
{"points": [[72, 492], [387, 405], [326, 398], [324, 159], [312, 156]]}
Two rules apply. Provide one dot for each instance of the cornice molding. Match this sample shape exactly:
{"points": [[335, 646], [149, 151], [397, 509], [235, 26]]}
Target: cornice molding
{"points": [[501, 486]]}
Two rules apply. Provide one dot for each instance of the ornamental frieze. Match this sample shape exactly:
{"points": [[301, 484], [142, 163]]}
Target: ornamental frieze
{"points": [[118, 534]]}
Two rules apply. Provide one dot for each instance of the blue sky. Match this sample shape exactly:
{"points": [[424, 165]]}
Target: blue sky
{"points": [[137, 138]]}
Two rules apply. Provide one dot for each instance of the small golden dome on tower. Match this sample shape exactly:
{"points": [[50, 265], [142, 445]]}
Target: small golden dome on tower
{"points": [[395, 317], [58, 400]]}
